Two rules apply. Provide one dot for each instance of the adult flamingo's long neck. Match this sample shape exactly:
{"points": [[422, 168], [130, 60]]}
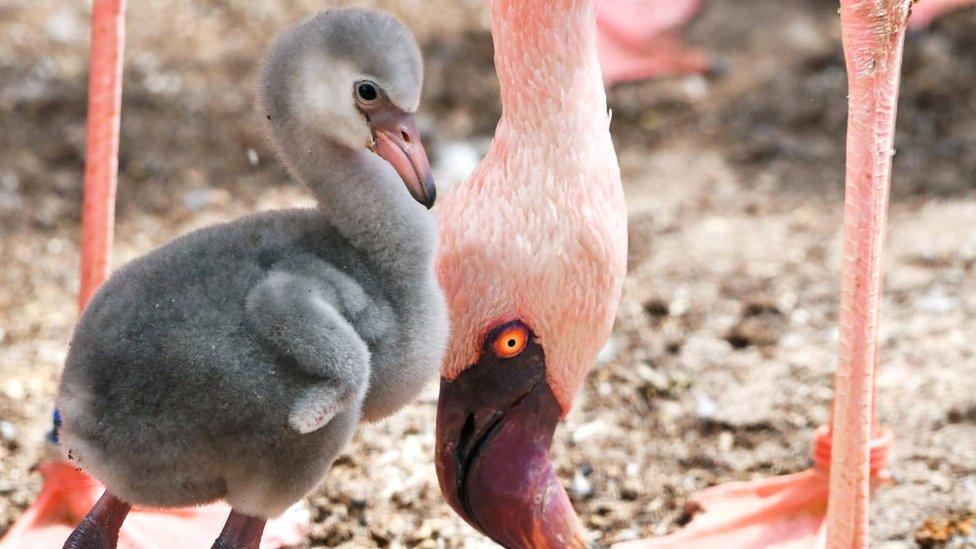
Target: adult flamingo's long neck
{"points": [[535, 240], [538, 232], [548, 70]]}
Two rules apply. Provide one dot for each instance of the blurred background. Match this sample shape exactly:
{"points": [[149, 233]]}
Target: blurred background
{"points": [[721, 362]]}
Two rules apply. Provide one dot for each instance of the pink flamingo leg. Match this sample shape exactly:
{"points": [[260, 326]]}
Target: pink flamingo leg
{"points": [[102, 139], [927, 11], [67, 493], [640, 39], [873, 35], [827, 505]]}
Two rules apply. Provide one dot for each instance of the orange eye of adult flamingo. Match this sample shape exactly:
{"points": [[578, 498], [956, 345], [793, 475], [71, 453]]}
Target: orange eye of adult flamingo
{"points": [[510, 341]]}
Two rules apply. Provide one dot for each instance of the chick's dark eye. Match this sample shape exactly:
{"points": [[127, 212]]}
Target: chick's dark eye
{"points": [[367, 91]]}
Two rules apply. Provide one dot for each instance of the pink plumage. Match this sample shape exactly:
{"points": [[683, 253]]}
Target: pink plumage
{"points": [[538, 232]]}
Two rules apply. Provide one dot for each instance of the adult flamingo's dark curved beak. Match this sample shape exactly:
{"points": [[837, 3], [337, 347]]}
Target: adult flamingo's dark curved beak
{"points": [[495, 423]]}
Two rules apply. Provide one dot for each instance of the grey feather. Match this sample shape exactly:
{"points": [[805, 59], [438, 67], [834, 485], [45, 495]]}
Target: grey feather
{"points": [[235, 361]]}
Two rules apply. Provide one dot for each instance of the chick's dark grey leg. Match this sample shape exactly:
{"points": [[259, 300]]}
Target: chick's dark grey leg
{"points": [[100, 527], [240, 532]]}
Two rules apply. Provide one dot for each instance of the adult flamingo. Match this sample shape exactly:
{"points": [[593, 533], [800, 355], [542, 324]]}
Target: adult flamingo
{"points": [[497, 409], [532, 258], [67, 492]]}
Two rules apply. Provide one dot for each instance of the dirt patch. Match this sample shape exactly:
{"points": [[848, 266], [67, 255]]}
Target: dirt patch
{"points": [[940, 531]]}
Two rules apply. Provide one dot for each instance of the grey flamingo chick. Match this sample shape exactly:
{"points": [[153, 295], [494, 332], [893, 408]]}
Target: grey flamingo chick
{"points": [[235, 362]]}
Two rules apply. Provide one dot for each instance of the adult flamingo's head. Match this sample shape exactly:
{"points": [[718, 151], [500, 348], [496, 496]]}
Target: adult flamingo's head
{"points": [[533, 253]]}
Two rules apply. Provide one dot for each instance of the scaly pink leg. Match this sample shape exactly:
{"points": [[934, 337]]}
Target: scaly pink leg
{"points": [[873, 34], [67, 494], [790, 511], [102, 144], [927, 11], [640, 39]]}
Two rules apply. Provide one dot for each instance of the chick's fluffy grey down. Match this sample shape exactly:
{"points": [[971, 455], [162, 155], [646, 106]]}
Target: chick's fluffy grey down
{"points": [[235, 361]]}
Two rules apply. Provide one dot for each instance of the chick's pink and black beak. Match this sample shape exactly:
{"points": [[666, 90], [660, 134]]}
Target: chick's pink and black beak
{"points": [[495, 423], [397, 140]]}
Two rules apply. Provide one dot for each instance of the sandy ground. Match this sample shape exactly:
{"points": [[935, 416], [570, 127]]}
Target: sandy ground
{"points": [[720, 366]]}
